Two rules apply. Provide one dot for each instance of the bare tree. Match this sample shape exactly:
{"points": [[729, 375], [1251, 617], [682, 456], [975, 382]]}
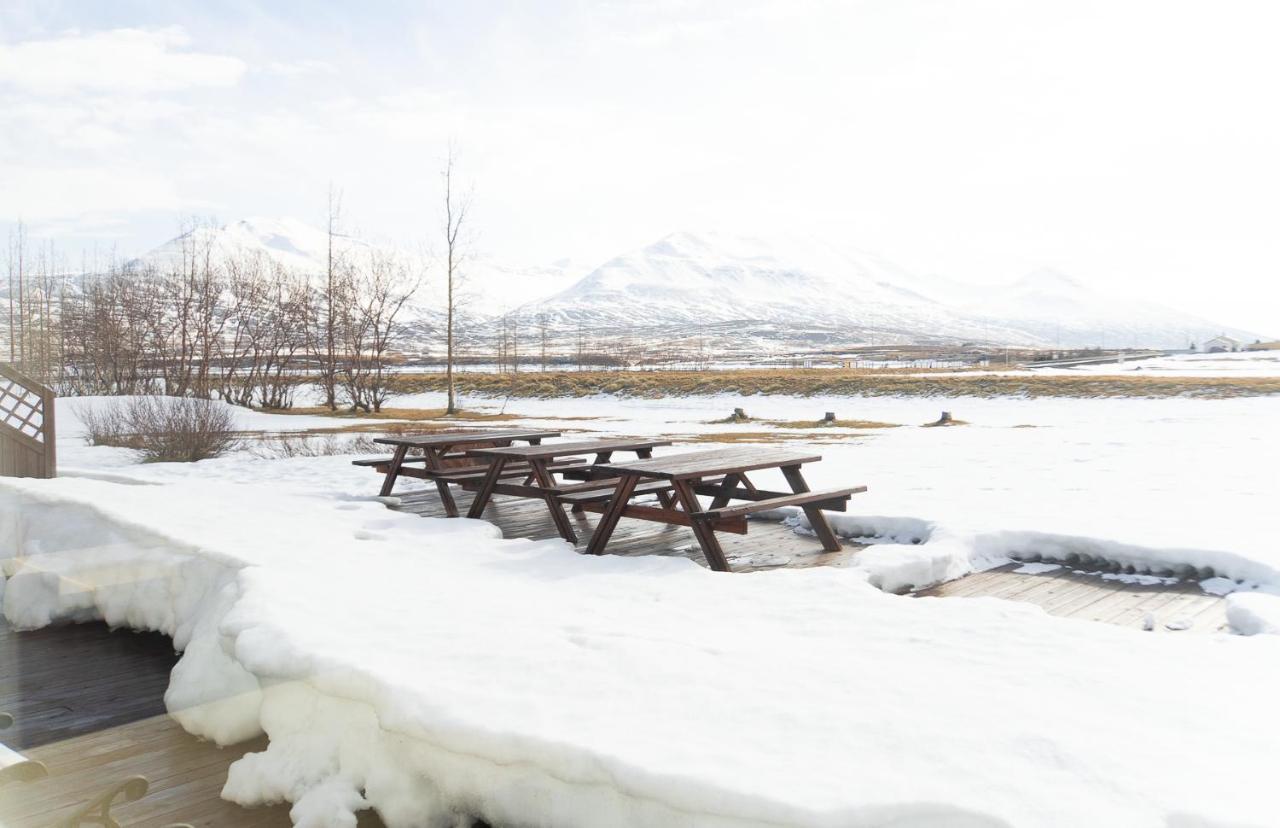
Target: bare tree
{"points": [[326, 330], [515, 341], [280, 335], [542, 338], [456, 207], [17, 282], [371, 328]]}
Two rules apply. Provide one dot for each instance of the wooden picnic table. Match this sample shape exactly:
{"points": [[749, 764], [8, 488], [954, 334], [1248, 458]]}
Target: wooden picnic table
{"points": [[541, 464], [690, 475], [439, 452]]}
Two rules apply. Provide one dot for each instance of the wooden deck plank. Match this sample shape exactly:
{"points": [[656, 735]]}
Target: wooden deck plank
{"points": [[88, 702], [1070, 593]]}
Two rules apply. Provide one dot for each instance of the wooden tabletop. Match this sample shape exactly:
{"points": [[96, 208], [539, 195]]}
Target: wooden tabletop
{"points": [[715, 462], [453, 438], [563, 449]]}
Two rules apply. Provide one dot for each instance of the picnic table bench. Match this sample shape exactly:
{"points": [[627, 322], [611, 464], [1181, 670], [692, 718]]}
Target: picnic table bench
{"points": [[542, 461], [441, 458], [720, 474]]}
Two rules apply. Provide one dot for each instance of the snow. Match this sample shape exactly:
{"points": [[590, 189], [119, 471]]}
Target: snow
{"points": [[77, 459], [1253, 613], [789, 285], [429, 668], [1037, 568], [1153, 483], [1237, 365]]}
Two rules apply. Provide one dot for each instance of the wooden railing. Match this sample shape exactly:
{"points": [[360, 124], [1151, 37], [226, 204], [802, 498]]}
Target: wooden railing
{"points": [[28, 447]]}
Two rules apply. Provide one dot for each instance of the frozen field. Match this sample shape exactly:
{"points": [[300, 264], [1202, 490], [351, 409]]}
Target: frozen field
{"points": [[429, 668], [1246, 364]]}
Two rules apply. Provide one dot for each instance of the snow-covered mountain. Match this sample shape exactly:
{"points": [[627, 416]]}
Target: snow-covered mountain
{"points": [[788, 292], [294, 244], [811, 290]]}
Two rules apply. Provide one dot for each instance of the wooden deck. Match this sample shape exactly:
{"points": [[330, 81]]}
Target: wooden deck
{"points": [[89, 703], [1065, 592], [767, 544]]}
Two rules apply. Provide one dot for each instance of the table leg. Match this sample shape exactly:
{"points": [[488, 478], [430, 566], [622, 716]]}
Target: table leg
{"points": [[724, 495], [485, 493], [612, 514], [702, 530], [389, 480], [817, 519], [664, 498], [435, 463], [547, 482]]}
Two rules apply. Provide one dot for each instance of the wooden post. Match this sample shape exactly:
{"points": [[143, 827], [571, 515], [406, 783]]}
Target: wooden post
{"points": [[50, 434]]}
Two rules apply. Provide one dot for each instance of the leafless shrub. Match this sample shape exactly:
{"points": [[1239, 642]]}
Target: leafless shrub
{"points": [[105, 425], [163, 429]]}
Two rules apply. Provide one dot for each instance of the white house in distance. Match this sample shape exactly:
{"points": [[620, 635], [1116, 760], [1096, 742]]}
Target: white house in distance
{"points": [[1221, 345]]}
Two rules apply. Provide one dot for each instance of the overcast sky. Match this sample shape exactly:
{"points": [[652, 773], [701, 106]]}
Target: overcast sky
{"points": [[1134, 144]]}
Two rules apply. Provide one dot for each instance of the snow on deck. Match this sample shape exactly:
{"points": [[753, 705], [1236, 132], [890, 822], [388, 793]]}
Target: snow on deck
{"points": [[427, 667]]}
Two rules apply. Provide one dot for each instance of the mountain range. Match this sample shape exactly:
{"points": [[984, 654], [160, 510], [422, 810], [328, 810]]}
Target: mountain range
{"points": [[749, 293]]}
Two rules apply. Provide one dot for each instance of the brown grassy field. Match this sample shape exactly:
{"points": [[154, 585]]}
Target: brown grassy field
{"points": [[812, 382]]}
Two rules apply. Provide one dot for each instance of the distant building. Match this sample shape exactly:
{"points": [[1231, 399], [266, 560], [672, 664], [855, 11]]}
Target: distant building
{"points": [[1222, 345], [1264, 346]]}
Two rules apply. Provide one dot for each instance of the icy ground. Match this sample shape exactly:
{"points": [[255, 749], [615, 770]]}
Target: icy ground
{"points": [[1244, 364], [429, 669]]}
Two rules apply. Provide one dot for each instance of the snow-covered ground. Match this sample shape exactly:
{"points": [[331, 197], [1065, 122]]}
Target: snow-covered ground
{"points": [[1193, 481], [1244, 364], [430, 668]]}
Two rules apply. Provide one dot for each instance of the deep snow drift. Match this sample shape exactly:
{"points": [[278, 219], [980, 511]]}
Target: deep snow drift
{"points": [[429, 668]]}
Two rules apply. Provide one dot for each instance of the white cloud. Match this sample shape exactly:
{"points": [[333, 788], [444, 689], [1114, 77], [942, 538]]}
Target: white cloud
{"points": [[47, 193], [299, 68], [135, 61]]}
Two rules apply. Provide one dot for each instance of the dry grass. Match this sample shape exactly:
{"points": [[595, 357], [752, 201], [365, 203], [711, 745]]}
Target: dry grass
{"points": [[831, 424], [809, 382], [764, 437]]}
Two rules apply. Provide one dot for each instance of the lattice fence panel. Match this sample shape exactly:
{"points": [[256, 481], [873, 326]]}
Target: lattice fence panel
{"points": [[22, 409]]}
